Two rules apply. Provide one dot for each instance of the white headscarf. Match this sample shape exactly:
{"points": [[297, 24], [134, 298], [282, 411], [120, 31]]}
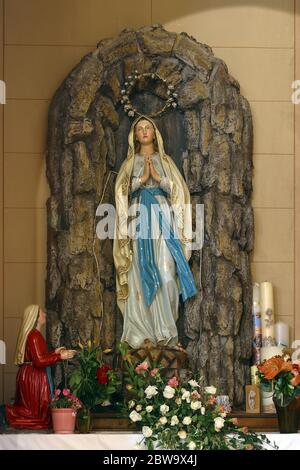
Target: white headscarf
{"points": [[30, 317]]}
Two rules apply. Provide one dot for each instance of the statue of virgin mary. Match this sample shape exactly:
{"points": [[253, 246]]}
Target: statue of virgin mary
{"points": [[151, 252]]}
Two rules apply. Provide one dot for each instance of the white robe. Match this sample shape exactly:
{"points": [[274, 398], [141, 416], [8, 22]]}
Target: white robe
{"points": [[156, 322]]}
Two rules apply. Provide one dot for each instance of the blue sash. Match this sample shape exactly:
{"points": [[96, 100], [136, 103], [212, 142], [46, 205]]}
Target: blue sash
{"points": [[50, 381], [151, 278]]}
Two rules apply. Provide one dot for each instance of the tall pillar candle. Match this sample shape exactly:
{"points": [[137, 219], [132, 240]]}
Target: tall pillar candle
{"points": [[256, 321], [267, 314]]}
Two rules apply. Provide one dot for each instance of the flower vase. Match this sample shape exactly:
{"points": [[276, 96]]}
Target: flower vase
{"points": [[84, 421], [288, 416], [63, 420]]}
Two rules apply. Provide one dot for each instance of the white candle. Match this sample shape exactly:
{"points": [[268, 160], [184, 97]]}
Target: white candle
{"points": [[282, 334], [256, 293], [270, 351], [267, 314], [2, 352], [256, 321]]}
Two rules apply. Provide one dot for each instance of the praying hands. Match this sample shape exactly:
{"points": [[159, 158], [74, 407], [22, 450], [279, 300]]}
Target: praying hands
{"points": [[150, 171]]}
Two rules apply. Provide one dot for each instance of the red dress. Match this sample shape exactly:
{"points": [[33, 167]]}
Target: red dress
{"points": [[31, 407]]}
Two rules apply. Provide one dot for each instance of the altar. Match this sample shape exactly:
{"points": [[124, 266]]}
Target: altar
{"points": [[107, 441]]}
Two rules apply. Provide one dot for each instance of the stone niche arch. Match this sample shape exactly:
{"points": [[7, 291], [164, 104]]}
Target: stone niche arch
{"points": [[210, 137]]}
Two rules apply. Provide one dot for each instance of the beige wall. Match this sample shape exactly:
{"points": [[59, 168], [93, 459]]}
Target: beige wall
{"points": [[297, 177], [44, 39]]}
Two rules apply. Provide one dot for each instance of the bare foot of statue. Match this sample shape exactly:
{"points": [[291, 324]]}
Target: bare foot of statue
{"points": [[148, 344]]}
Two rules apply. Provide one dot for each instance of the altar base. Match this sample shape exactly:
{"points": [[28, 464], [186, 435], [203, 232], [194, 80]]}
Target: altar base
{"points": [[259, 422]]}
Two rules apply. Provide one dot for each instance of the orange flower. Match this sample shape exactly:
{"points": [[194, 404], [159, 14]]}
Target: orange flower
{"points": [[273, 366], [212, 400]]}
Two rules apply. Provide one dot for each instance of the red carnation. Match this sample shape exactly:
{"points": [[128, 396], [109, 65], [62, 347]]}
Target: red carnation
{"points": [[102, 375]]}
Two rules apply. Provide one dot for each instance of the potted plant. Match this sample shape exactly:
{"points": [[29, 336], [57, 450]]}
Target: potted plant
{"points": [[181, 415], [93, 382], [64, 407], [282, 376]]}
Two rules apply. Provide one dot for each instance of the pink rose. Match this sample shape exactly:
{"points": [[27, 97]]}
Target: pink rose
{"points": [[154, 371], [66, 392], [141, 367], [57, 392], [173, 382]]}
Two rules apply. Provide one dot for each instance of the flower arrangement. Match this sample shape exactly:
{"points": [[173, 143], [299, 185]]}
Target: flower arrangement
{"points": [[65, 399], [282, 376], [93, 381], [183, 416]]}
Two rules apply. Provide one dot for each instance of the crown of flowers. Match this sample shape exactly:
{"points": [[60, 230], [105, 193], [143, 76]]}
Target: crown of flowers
{"points": [[130, 83]]}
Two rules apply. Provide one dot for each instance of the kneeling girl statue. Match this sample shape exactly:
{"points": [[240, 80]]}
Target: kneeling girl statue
{"points": [[34, 385], [151, 261]]}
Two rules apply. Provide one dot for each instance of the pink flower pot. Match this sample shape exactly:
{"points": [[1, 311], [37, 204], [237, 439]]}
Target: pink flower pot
{"points": [[63, 420]]}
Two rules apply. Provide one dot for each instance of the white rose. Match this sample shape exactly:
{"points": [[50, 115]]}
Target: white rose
{"points": [[193, 383], [163, 420], [187, 420], [219, 423], [139, 408], [147, 431], [211, 390], [169, 392], [134, 416], [223, 415], [164, 409], [150, 391], [131, 404], [174, 420], [202, 410], [182, 434], [196, 405], [149, 408], [192, 445], [186, 396]]}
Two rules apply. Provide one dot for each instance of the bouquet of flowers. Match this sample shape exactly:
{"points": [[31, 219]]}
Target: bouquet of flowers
{"points": [[65, 399], [185, 416], [93, 381], [283, 377]]}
